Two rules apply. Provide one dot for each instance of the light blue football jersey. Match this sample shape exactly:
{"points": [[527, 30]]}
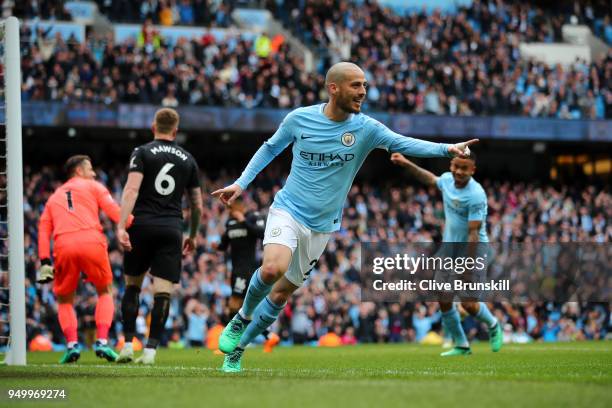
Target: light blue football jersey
{"points": [[460, 206], [326, 158]]}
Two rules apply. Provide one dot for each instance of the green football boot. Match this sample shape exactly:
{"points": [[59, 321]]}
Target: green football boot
{"points": [[457, 351], [105, 351], [230, 336], [71, 355], [496, 337], [231, 363]]}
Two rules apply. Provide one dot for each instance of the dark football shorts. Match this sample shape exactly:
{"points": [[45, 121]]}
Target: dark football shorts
{"points": [[240, 281], [157, 248]]}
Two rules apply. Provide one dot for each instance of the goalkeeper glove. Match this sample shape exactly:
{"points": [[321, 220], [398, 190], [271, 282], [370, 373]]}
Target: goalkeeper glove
{"points": [[45, 274]]}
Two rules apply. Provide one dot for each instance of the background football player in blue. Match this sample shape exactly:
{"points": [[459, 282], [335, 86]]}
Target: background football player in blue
{"points": [[330, 143], [465, 213]]}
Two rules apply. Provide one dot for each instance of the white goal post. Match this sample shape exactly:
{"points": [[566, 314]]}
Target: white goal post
{"points": [[16, 354]]}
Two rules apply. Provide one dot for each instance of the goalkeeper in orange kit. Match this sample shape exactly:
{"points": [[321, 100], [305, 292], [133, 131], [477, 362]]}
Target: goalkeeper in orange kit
{"points": [[71, 217]]}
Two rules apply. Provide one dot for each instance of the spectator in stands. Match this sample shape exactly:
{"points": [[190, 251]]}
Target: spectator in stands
{"points": [[263, 45], [148, 39], [422, 322], [45, 9], [197, 317], [186, 13], [167, 12]]}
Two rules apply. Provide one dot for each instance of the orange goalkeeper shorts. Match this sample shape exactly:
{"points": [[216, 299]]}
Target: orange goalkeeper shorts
{"points": [[89, 258]]}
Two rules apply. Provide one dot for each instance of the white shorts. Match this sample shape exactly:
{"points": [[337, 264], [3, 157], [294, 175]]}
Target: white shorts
{"points": [[306, 245]]}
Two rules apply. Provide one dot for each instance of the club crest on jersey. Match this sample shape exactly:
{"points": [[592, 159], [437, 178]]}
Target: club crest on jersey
{"points": [[275, 232], [348, 139]]}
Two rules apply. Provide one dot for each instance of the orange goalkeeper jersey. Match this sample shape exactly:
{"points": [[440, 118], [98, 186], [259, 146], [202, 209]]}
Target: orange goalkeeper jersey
{"points": [[72, 212]]}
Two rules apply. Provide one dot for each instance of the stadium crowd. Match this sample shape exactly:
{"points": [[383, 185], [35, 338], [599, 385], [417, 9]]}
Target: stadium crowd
{"points": [[467, 64], [215, 13], [197, 71], [164, 12], [36, 9], [328, 309]]}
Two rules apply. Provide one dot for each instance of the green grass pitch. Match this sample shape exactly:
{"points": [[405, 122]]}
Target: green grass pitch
{"points": [[555, 375]]}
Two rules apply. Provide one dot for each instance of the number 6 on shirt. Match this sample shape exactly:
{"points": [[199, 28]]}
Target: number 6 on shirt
{"points": [[162, 177]]}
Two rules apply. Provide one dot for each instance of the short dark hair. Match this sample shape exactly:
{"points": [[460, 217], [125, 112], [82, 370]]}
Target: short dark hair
{"points": [[238, 205], [166, 120], [471, 157], [73, 162]]}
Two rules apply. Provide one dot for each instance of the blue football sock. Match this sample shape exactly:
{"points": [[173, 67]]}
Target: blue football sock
{"points": [[484, 315], [265, 314], [257, 290], [452, 323]]}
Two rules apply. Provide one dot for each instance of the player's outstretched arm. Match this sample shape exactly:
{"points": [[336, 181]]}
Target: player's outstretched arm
{"points": [[195, 203], [424, 176], [128, 200], [462, 149], [383, 137], [262, 157], [228, 194]]}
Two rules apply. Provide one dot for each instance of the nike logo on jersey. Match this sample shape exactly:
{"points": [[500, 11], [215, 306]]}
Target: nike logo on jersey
{"points": [[306, 137]]}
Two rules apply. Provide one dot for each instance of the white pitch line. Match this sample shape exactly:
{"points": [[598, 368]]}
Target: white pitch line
{"points": [[352, 371], [556, 348]]}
